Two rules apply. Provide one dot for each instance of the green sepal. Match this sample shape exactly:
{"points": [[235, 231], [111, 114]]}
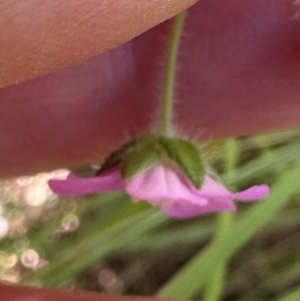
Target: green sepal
{"points": [[117, 156], [145, 154], [187, 157]]}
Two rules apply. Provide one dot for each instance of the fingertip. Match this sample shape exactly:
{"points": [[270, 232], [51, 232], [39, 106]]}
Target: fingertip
{"points": [[40, 37]]}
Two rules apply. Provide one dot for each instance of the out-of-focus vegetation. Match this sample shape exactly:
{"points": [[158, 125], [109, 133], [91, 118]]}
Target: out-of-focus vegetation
{"points": [[109, 243]]}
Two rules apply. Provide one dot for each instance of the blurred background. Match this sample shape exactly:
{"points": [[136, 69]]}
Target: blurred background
{"points": [[108, 243]]}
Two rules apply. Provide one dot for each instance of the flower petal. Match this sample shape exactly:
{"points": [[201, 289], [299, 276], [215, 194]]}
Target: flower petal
{"points": [[183, 210], [161, 183], [218, 199], [212, 189], [73, 185], [253, 193]]}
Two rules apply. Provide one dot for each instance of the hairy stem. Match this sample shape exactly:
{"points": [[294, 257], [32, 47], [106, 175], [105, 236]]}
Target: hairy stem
{"points": [[166, 110]]}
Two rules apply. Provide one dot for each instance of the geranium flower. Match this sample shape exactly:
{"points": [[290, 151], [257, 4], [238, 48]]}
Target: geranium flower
{"points": [[165, 187]]}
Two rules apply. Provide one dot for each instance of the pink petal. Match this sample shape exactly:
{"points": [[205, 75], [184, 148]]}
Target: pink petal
{"points": [[212, 189], [218, 199], [253, 193], [189, 210], [159, 184], [73, 185]]}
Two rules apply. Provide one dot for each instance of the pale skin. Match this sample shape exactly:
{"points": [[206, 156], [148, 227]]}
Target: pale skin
{"points": [[239, 73], [38, 37]]}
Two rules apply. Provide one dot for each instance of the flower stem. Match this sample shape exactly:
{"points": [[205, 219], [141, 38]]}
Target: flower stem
{"points": [[225, 222], [166, 110]]}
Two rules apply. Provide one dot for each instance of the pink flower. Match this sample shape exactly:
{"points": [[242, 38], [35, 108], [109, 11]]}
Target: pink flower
{"points": [[163, 186]]}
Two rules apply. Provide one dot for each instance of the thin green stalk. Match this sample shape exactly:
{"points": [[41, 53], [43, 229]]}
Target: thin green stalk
{"points": [[166, 110], [214, 287]]}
